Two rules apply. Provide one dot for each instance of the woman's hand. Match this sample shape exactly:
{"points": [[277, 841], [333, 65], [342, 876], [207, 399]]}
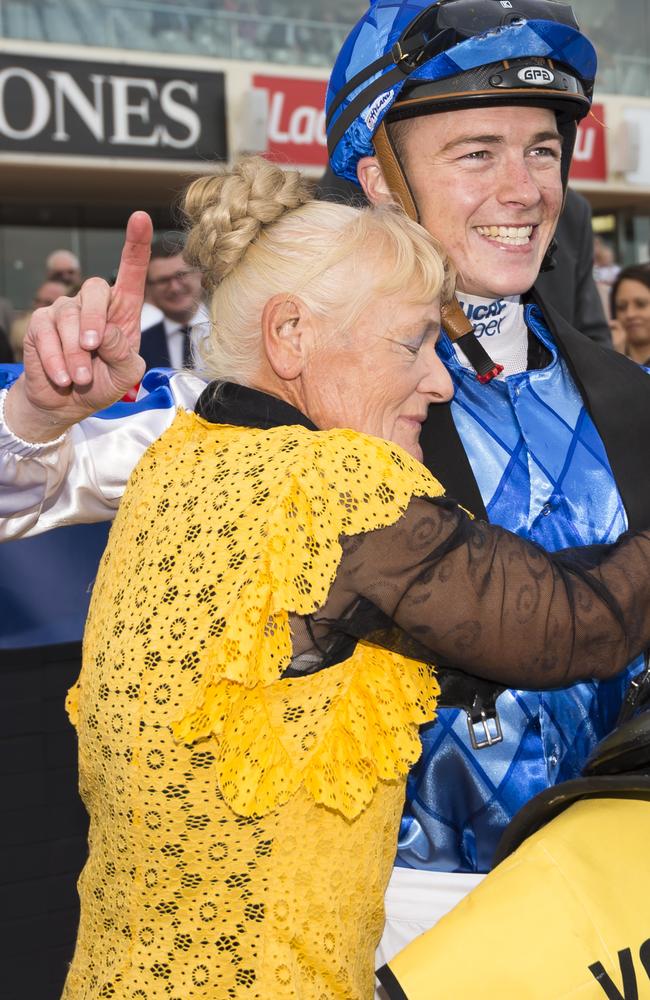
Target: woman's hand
{"points": [[81, 353]]}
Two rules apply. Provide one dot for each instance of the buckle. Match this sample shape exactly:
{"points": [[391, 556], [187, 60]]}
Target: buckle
{"points": [[411, 58], [484, 729], [397, 53]]}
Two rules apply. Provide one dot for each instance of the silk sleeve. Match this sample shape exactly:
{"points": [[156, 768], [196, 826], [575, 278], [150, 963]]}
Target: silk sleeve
{"points": [[81, 477]]}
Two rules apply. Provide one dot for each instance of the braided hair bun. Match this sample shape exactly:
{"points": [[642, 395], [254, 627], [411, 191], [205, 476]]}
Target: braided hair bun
{"points": [[227, 211]]}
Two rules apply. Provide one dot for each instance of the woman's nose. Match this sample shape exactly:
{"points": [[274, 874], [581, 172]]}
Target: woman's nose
{"points": [[436, 382]]}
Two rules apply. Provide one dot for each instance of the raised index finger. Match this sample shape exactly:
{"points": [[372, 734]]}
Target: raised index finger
{"points": [[132, 273]]}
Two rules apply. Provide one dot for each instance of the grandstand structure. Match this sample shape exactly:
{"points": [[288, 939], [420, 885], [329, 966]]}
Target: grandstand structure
{"points": [[283, 31]]}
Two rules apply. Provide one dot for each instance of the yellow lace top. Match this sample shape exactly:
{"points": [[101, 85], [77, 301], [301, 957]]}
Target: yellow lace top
{"points": [[243, 823]]}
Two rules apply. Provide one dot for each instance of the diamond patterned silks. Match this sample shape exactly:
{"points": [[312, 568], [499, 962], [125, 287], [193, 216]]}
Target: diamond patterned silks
{"points": [[543, 472]]}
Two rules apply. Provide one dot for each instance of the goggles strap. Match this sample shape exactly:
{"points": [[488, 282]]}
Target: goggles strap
{"points": [[406, 59]]}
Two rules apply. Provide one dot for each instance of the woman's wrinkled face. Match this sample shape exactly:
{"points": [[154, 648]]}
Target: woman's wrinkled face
{"points": [[380, 377]]}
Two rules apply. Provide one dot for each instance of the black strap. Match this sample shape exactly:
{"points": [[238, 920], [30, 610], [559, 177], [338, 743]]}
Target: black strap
{"points": [[356, 81], [387, 979], [361, 101], [396, 55], [540, 810], [408, 55]]}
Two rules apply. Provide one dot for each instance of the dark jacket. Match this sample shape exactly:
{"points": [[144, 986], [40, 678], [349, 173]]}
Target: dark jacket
{"points": [[616, 392], [570, 286], [153, 347]]}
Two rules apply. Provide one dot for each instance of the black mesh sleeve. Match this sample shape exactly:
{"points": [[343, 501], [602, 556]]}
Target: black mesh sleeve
{"points": [[439, 586]]}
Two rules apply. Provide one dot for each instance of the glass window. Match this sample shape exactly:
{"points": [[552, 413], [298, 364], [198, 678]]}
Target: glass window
{"points": [[29, 233], [306, 33], [24, 250], [620, 31]]}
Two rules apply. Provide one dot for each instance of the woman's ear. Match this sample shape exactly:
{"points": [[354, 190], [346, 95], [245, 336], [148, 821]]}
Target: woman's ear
{"points": [[287, 325]]}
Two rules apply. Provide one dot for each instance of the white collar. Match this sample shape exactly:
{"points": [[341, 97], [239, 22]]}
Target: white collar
{"points": [[500, 326]]}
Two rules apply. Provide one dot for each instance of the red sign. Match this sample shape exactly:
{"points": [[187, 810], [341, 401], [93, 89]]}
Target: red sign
{"points": [[296, 124], [589, 158]]}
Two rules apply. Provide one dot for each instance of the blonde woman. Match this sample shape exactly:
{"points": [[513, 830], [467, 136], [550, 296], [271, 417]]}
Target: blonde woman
{"points": [[242, 757]]}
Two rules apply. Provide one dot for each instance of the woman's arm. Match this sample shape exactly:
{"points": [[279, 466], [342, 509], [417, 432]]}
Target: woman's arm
{"points": [[486, 601]]}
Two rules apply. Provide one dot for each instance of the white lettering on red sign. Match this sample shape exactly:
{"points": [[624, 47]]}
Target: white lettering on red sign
{"points": [[296, 127], [589, 155]]}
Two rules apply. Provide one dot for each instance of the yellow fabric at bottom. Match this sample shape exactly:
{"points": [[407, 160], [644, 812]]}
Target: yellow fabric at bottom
{"points": [[243, 826], [561, 919]]}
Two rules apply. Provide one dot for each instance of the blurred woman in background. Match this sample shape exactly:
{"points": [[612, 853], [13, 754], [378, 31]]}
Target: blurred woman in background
{"points": [[630, 306]]}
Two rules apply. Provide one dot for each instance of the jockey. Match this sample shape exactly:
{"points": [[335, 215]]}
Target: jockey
{"points": [[465, 113]]}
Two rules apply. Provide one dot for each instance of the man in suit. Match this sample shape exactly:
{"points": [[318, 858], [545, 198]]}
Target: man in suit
{"points": [[175, 289]]}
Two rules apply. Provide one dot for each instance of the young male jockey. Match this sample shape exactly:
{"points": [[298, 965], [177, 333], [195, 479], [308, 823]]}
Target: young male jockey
{"points": [[465, 112]]}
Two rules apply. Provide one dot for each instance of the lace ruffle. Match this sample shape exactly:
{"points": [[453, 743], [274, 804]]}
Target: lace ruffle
{"points": [[337, 732]]}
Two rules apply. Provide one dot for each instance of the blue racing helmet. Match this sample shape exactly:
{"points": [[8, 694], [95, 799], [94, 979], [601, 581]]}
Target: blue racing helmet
{"points": [[407, 58]]}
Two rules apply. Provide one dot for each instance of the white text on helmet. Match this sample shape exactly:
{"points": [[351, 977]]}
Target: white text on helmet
{"points": [[536, 74], [371, 114]]}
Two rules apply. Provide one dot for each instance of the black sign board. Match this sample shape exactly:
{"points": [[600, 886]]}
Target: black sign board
{"points": [[79, 108]]}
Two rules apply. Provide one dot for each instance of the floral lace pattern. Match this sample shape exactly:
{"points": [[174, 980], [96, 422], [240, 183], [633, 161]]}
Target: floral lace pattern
{"points": [[243, 824]]}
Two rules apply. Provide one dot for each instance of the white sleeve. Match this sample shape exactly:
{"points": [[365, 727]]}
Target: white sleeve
{"points": [[80, 477]]}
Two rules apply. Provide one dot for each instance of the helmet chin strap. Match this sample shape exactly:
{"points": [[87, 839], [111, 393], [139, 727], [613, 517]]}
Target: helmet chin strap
{"points": [[457, 326], [393, 172], [460, 331]]}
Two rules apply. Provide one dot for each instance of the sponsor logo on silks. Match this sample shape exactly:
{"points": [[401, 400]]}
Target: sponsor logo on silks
{"points": [[538, 75], [486, 319], [628, 974], [373, 111]]}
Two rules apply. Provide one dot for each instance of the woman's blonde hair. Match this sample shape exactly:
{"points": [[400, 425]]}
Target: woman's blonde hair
{"points": [[255, 231]]}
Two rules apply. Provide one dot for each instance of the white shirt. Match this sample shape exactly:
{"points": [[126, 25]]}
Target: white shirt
{"points": [[500, 326], [150, 314]]}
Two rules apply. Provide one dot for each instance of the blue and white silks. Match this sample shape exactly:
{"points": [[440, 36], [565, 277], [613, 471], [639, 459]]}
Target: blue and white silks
{"points": [[543, 473]]}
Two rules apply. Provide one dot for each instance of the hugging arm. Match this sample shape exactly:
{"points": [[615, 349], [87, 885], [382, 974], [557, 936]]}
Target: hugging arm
{"points": [[481, 599]]}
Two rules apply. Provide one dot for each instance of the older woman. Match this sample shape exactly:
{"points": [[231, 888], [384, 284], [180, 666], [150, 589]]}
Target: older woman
{"points": [[242, 757]]}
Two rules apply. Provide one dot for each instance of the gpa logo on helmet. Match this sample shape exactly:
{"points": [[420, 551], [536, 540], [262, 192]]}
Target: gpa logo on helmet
{"points": [[372, 113], [537, 75]]}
